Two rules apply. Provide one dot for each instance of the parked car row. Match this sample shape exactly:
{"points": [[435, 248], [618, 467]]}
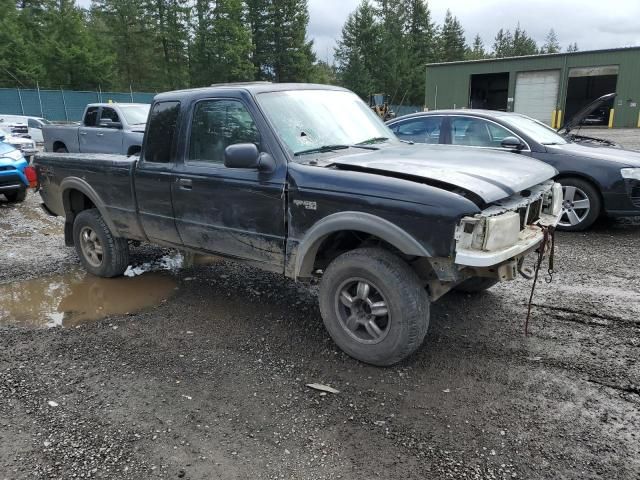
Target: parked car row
{"points": [[25, 126], [15, 173]]}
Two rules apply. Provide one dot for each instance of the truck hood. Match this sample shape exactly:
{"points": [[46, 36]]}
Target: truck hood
{"points": [[489, 174]]}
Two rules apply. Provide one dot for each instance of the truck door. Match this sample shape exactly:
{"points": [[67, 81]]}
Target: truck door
{"points": [[154, 175], [107, 135], [86, 132], [234, 212]]}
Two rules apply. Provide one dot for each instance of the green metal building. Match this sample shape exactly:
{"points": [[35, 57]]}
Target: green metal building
{"points": [[550, 88]]}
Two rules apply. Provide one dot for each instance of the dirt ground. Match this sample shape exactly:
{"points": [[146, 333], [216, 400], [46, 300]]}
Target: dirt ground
{"points": [[209, 381]]}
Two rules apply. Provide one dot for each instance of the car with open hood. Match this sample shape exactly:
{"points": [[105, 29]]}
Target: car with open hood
{"points": [[305, 180], [598, 177]]}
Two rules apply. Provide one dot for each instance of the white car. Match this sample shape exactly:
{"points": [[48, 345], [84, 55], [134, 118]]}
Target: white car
{"points": [[33, 125], [26, 145]]}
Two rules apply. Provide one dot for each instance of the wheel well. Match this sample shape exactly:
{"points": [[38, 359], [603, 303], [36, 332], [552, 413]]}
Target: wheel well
{"points": [[57, 145], [134, 149], [337, 243], [74, 202]]}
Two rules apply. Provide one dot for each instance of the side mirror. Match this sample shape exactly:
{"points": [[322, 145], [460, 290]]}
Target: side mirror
{"points": [[512, 143], [108, 123], [247, 155]]}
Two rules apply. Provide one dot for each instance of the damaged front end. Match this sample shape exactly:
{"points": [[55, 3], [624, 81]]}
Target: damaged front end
{"points": [[494, 242]]}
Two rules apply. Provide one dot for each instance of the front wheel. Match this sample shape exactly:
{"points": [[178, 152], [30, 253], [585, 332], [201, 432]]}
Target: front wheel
{"points": [[100, 252], [16, 196], [581, 205], [374, 306]]}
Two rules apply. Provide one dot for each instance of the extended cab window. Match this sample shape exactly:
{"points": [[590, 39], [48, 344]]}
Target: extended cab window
{"points": [[91, 117], [216, 124], [161, 131]]}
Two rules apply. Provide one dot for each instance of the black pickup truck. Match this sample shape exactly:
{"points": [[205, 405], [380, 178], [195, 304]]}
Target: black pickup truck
{"points": [[306, 181]]}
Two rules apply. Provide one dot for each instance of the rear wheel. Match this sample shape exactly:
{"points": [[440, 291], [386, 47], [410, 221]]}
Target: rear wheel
{"points": [[374, 306], [100, 252], [476, 284], [581, 205], [16, 196]]}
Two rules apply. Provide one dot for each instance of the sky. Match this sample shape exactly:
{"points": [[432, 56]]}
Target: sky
{"points": [[593, 24]]}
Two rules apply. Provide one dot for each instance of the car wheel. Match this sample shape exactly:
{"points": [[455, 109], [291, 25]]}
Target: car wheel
{"points": [[100, 252], [16, 196], [374, 306], [581, 205], [475, 284]]}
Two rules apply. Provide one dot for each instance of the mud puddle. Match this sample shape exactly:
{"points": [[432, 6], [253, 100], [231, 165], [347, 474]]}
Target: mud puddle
{"points": [[77, 297]]}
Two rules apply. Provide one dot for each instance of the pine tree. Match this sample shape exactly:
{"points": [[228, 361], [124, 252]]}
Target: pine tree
{"points": [[551, 44], [394, 52], [503, 44], [357, 50], [18, 65], [523, 44], [452, 42], [572, 47], [422, 47], [231, 43], [477, 51]]}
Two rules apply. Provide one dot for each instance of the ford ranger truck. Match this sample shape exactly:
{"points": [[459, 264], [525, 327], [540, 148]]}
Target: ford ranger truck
{"points": [[306, 181]]}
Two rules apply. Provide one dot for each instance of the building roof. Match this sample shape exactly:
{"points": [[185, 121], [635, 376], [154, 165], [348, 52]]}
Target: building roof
{"points": [[538, 55]]}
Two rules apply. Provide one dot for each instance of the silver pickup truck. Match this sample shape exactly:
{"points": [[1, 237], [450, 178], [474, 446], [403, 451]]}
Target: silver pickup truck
{"points": [[105, 128]]}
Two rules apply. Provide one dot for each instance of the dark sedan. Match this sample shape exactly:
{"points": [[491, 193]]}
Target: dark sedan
{"points": [[597, 179]]}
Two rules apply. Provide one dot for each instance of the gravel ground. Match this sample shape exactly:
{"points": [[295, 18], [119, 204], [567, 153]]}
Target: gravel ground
{"points": [[627, 137], [211, 384]]}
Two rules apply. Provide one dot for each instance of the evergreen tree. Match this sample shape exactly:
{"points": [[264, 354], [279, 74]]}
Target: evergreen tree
{"points": [[357, 50], [523, 44], [503, 44], [293, 56], [18, 65], [477, 51], [572, 47], [394, 52], [551, 44], [421, 45], [452, 42]]}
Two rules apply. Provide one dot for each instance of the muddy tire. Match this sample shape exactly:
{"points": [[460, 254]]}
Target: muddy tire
{"points": [[17, 196], [475, 284], [374, 306], [581, 205], [100, 252]]}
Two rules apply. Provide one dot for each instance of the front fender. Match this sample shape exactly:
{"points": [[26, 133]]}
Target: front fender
{"points": [[307, 248]]}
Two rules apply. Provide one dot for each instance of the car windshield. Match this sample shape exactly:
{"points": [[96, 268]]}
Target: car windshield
{"points": [[135, 114], [322, 120], [536, 130]]}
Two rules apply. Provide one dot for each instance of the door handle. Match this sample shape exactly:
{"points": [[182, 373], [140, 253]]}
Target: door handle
{"points": [[185, 183], [83, 133]]}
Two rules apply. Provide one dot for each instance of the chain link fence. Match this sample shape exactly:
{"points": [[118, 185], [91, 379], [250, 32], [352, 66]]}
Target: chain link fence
{"points": [[60, 105]]}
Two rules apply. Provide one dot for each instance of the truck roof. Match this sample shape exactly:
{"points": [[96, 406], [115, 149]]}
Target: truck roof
{"points": [[250, 87]]}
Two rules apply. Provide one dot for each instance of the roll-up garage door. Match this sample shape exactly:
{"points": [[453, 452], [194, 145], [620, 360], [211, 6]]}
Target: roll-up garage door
{"points": [[537, 94]]}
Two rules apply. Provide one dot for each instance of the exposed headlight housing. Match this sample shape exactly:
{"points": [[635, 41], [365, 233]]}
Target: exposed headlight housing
{"points": [[490, 233], [630, 173]]}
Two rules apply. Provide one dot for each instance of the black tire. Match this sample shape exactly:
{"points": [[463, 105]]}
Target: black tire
{"points": [[595, 205], [114, 258], [475, 284], [16, 196], [404, 297]]}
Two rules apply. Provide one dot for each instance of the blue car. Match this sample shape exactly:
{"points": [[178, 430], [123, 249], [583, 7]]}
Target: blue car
{"points": [[13, 172]]}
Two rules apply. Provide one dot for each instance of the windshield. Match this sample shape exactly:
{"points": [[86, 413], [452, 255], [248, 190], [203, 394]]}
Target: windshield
{"points": [[135, 114], [312, 119], [535, 129]]}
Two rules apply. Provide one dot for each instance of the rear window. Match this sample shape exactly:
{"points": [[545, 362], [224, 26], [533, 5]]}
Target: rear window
{"points": [[161, 131]]}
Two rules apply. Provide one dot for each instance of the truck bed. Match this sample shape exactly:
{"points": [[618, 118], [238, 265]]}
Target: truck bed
{"points": [[109, 176]]}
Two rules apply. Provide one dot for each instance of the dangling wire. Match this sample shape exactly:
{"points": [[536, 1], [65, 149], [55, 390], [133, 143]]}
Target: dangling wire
{"points": [[548, 241]]}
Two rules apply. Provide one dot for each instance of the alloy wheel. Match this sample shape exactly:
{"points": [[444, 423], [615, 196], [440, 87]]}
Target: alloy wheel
{"points": [[91, 246], [363, 311], [575, 206]]}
